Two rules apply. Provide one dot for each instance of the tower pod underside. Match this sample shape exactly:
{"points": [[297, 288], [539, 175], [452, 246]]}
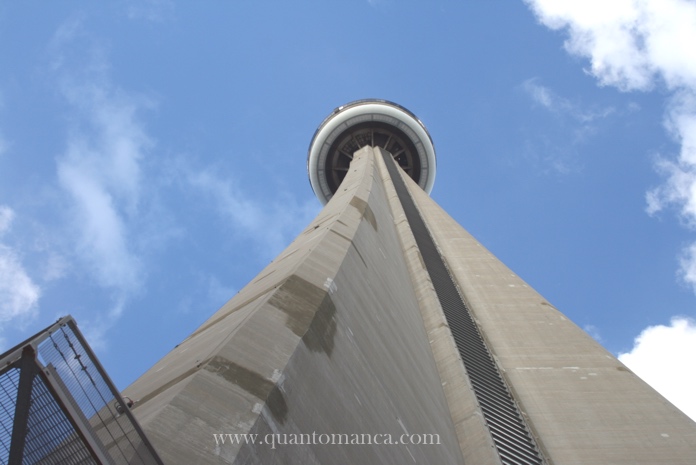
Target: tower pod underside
{"points": [[377, 123]]}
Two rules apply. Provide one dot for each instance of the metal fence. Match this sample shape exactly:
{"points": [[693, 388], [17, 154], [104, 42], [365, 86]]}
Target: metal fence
{"points": [[58, 406]]}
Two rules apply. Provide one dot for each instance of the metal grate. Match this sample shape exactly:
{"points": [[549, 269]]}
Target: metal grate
{"points": [[50, 436], [58, 406], [508, 430], [9, 383]]}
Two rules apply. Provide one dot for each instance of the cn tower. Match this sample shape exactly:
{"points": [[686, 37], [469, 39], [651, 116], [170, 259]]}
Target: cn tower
{"points": [[387, 327]]}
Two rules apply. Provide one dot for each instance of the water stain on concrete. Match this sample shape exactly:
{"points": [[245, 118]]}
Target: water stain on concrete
{"points": [[249, 380], [298, 299], [322, 331], [310, 313], [277, 405], [253, 383]]}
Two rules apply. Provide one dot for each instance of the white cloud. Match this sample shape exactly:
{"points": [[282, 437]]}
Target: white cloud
{"points": [[662, 356], [687, 266], [103, 237], [18, 293], [636, 45], [100, 169], [629, 42]]}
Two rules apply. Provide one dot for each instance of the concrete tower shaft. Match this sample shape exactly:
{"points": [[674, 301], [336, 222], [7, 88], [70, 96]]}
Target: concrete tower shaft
{"points": [[328, 338], [373, 123], [386, 318]]}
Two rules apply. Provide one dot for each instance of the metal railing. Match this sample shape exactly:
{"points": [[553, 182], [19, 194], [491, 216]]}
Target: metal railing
{"points": [[58, 406]]}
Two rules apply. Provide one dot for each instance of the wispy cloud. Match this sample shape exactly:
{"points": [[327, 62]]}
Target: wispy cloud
{"points": [[6, 218], [207, 293], [661, 356], [151, 10], [100, 168], [559, 105], [542, 95], [3, 141], [271, 226], [593, 331], [573, 124], [103, 240], [55, 267], [108, 176], [18, 293], [638, 45]]}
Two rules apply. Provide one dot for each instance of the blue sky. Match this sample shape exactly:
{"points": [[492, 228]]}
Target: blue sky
{"points": [[153, 156]]}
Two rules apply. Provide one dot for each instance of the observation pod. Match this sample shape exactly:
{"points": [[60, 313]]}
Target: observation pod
{"points": [[377, 123]]}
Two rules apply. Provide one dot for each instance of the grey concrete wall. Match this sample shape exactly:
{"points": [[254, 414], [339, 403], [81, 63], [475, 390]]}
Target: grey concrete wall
{"points": [[474, 438], [328, 339], [583, 405]]}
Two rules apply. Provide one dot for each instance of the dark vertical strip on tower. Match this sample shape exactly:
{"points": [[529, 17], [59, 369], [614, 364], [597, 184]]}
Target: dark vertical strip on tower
{"points": [[508, 430]]}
